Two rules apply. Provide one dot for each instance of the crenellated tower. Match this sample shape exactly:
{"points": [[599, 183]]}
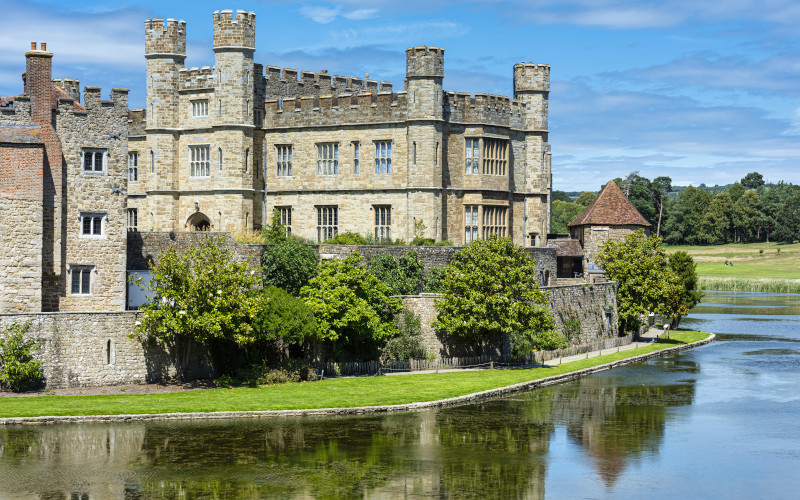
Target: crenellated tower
{"points": [[424, 75], [165, 51], [532, 87], [234, 46]]}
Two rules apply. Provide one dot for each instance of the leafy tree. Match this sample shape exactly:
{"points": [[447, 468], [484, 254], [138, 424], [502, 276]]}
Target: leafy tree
{"points": [[753, 180], [768, 207], [736, 191], [289, 264], [285, 318], [433, 280], [19, 371], [489, 290], [745, 217], [564, 212], [204, 297], [685, 215], [684, 268], [354, 309], [716, 226], [661, 188], [585, 199], [639, 265], [788, 219], [560, 196], [403, 275]]}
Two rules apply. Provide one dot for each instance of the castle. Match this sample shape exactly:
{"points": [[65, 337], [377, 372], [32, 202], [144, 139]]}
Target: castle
{"points": [[220, 148]]}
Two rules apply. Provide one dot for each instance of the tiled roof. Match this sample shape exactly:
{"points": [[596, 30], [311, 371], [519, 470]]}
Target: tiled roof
{"points": [[611, 208], [566, 248]]}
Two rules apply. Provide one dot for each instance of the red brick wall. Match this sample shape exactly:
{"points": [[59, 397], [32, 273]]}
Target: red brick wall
{"points": [[21, 171]]}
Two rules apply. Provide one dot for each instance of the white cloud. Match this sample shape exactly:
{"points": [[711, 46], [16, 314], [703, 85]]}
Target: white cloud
{"points": [[319, 14]]}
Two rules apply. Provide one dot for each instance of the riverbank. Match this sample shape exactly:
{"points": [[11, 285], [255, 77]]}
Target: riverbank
{"points": [[327, 397], [766, 285]]}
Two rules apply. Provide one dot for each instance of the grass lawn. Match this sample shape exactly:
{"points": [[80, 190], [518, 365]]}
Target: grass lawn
{"points": [[750, 260], [331, 393]]}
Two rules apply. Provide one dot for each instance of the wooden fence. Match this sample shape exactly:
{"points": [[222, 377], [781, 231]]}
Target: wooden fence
{"points": [[331, 369]]}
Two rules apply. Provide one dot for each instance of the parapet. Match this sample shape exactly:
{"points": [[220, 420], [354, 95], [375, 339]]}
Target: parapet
{"points": [[531, 77], [285, 83], [234, 29], [335, 110], [165, 38], [423, 61], [195, 78], [93, 101], [488, 109], [70, 86]]}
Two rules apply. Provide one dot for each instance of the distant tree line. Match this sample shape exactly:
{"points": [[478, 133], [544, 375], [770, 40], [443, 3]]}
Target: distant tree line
{"points": [[743, 212]]}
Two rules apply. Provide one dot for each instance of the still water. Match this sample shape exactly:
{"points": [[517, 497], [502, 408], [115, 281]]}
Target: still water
{"points": [[719, 421]]}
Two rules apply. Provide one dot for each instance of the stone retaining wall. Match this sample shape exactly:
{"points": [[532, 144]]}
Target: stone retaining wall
{"points": [[93, 349]]}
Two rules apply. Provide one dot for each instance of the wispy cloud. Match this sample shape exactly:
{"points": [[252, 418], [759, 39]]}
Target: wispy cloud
{"points": [[325, 14]]}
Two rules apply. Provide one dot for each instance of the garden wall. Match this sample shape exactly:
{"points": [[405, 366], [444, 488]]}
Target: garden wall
{"points": [[93, 349], [594, 306], [145, 247]]}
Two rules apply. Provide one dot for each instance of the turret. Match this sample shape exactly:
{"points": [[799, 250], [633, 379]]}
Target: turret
{"points": [[234, 45], [532, 86], [165, 51], [424, 74]]}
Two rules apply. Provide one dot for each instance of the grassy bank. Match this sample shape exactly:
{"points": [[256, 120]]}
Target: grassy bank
{"points": [[754, 261], [331, 393]]}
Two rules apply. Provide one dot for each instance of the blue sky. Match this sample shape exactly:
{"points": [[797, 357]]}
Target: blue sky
{"points": [[703, 92]]}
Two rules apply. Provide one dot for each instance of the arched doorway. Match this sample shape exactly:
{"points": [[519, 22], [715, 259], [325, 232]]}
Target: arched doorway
{"points": [[198, 222]]}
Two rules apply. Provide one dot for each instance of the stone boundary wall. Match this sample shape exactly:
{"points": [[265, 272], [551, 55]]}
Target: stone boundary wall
{"points": [[458, 400], [93, 349], [145, 246], [594, 305]]}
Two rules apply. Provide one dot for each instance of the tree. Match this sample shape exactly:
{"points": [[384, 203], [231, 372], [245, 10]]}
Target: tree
{"points": [[787, 228], [402, 275], [203, 297], [736, 191], [560, 196], [19, 371], [745, 217], [564, 212], [716, 227], [489, 289], [661, 188], [685, 215], [354, 309], [684, 267], [285, 318], [585, 199], [753, 180], [289, 264], [275, 232], [639, 265]]}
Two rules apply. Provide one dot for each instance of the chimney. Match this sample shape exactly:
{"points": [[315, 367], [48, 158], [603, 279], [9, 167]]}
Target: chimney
{"points": [[38, 83]]}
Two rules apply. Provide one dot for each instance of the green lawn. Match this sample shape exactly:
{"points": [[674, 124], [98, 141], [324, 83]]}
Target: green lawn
{"points": [[750, 260], [331, 393]]}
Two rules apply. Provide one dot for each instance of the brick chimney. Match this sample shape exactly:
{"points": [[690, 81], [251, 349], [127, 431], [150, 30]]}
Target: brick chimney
{"points": [[38, 83]]}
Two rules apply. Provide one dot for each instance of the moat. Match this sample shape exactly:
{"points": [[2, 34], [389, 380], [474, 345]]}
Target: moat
{"points": [[715, 421]]}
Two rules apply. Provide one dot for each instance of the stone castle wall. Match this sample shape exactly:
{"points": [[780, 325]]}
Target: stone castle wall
{"points": [[93, 349]]}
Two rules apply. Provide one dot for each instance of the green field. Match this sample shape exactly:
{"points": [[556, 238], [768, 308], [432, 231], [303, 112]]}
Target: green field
{"points": [[750, 260], [330, 393]]}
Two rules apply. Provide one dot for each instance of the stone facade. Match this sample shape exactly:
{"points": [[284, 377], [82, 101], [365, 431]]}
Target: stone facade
{"points": [[334, 151], [62, 194]]}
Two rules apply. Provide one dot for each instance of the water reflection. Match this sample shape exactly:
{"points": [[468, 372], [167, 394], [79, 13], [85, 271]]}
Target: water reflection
{"points": [[498, 448]]}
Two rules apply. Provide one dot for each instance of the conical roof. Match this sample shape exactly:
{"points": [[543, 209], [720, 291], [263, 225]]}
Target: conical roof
{"points": [[611, 208]]}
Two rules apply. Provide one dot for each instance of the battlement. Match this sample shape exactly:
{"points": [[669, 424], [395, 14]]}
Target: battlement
{"points": [[364, 107], [490, 109], [423, 61], [195, 78], [165, 38], [92, 99], [531, 77], [234, 29], [285, 82], [70, 86]]}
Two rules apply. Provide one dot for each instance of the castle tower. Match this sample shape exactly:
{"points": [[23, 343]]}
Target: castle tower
{"points": [[165, 51], [424, 74], [234, 46], [532, 87]]}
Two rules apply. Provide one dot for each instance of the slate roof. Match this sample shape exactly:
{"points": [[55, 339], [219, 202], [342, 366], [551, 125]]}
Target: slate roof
{"points": [[566, 248], [611, 208], [21, 134]]}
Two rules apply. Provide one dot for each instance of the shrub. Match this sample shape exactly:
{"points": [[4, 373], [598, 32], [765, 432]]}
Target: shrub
{"points": [[289, 265], [408, 343], [401, 275], [18, 370], [433, 281], [346, 238]]}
